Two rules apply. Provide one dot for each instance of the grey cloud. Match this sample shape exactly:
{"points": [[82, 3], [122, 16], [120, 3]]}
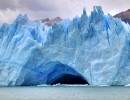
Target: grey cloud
{"points": [[12, 4], [38, 5], [112, 6], [49, 8], [38, 9]]}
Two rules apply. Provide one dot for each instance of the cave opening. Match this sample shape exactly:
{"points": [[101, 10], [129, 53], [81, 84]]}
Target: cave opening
{"points": [[54, 73], [69, 79]]}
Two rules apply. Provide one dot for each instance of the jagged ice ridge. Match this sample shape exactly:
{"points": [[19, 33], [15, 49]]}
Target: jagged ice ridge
{"points": [[95, 47]]}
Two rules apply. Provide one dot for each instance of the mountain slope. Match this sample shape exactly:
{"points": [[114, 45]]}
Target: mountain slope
{"points": [[125, 16], [49, 22]]}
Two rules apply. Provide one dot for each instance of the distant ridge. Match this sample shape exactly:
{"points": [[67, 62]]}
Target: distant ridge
{"points": [[124, 16], [49, 22]]}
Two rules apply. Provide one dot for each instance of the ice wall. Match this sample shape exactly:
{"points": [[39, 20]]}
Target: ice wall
{"points": [[96, 46]]}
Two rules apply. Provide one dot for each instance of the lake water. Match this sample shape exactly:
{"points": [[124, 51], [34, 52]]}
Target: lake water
{"points": [[65, 93]]}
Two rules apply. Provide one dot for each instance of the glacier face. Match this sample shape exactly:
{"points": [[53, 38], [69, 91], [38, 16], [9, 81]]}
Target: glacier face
{"points": [[96, 46]]}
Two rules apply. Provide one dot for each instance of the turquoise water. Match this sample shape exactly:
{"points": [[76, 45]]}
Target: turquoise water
{"points": [[65, 93]]}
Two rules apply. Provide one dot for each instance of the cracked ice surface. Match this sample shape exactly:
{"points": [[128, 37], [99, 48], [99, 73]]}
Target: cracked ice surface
{"points": [[96, 46]]}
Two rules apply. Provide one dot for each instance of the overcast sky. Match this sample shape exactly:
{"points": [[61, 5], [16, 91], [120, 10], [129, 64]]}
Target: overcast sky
{"points": [[39, 9]]}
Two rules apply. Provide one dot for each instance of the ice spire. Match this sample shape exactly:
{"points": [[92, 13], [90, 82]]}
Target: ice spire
{"points": [[84, 12]]}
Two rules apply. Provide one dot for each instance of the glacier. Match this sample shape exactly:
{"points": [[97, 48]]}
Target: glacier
{"points": [[94, 47]]}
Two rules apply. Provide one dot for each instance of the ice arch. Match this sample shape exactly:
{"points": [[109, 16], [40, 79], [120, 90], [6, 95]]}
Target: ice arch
{"points": [[53, 73]]}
